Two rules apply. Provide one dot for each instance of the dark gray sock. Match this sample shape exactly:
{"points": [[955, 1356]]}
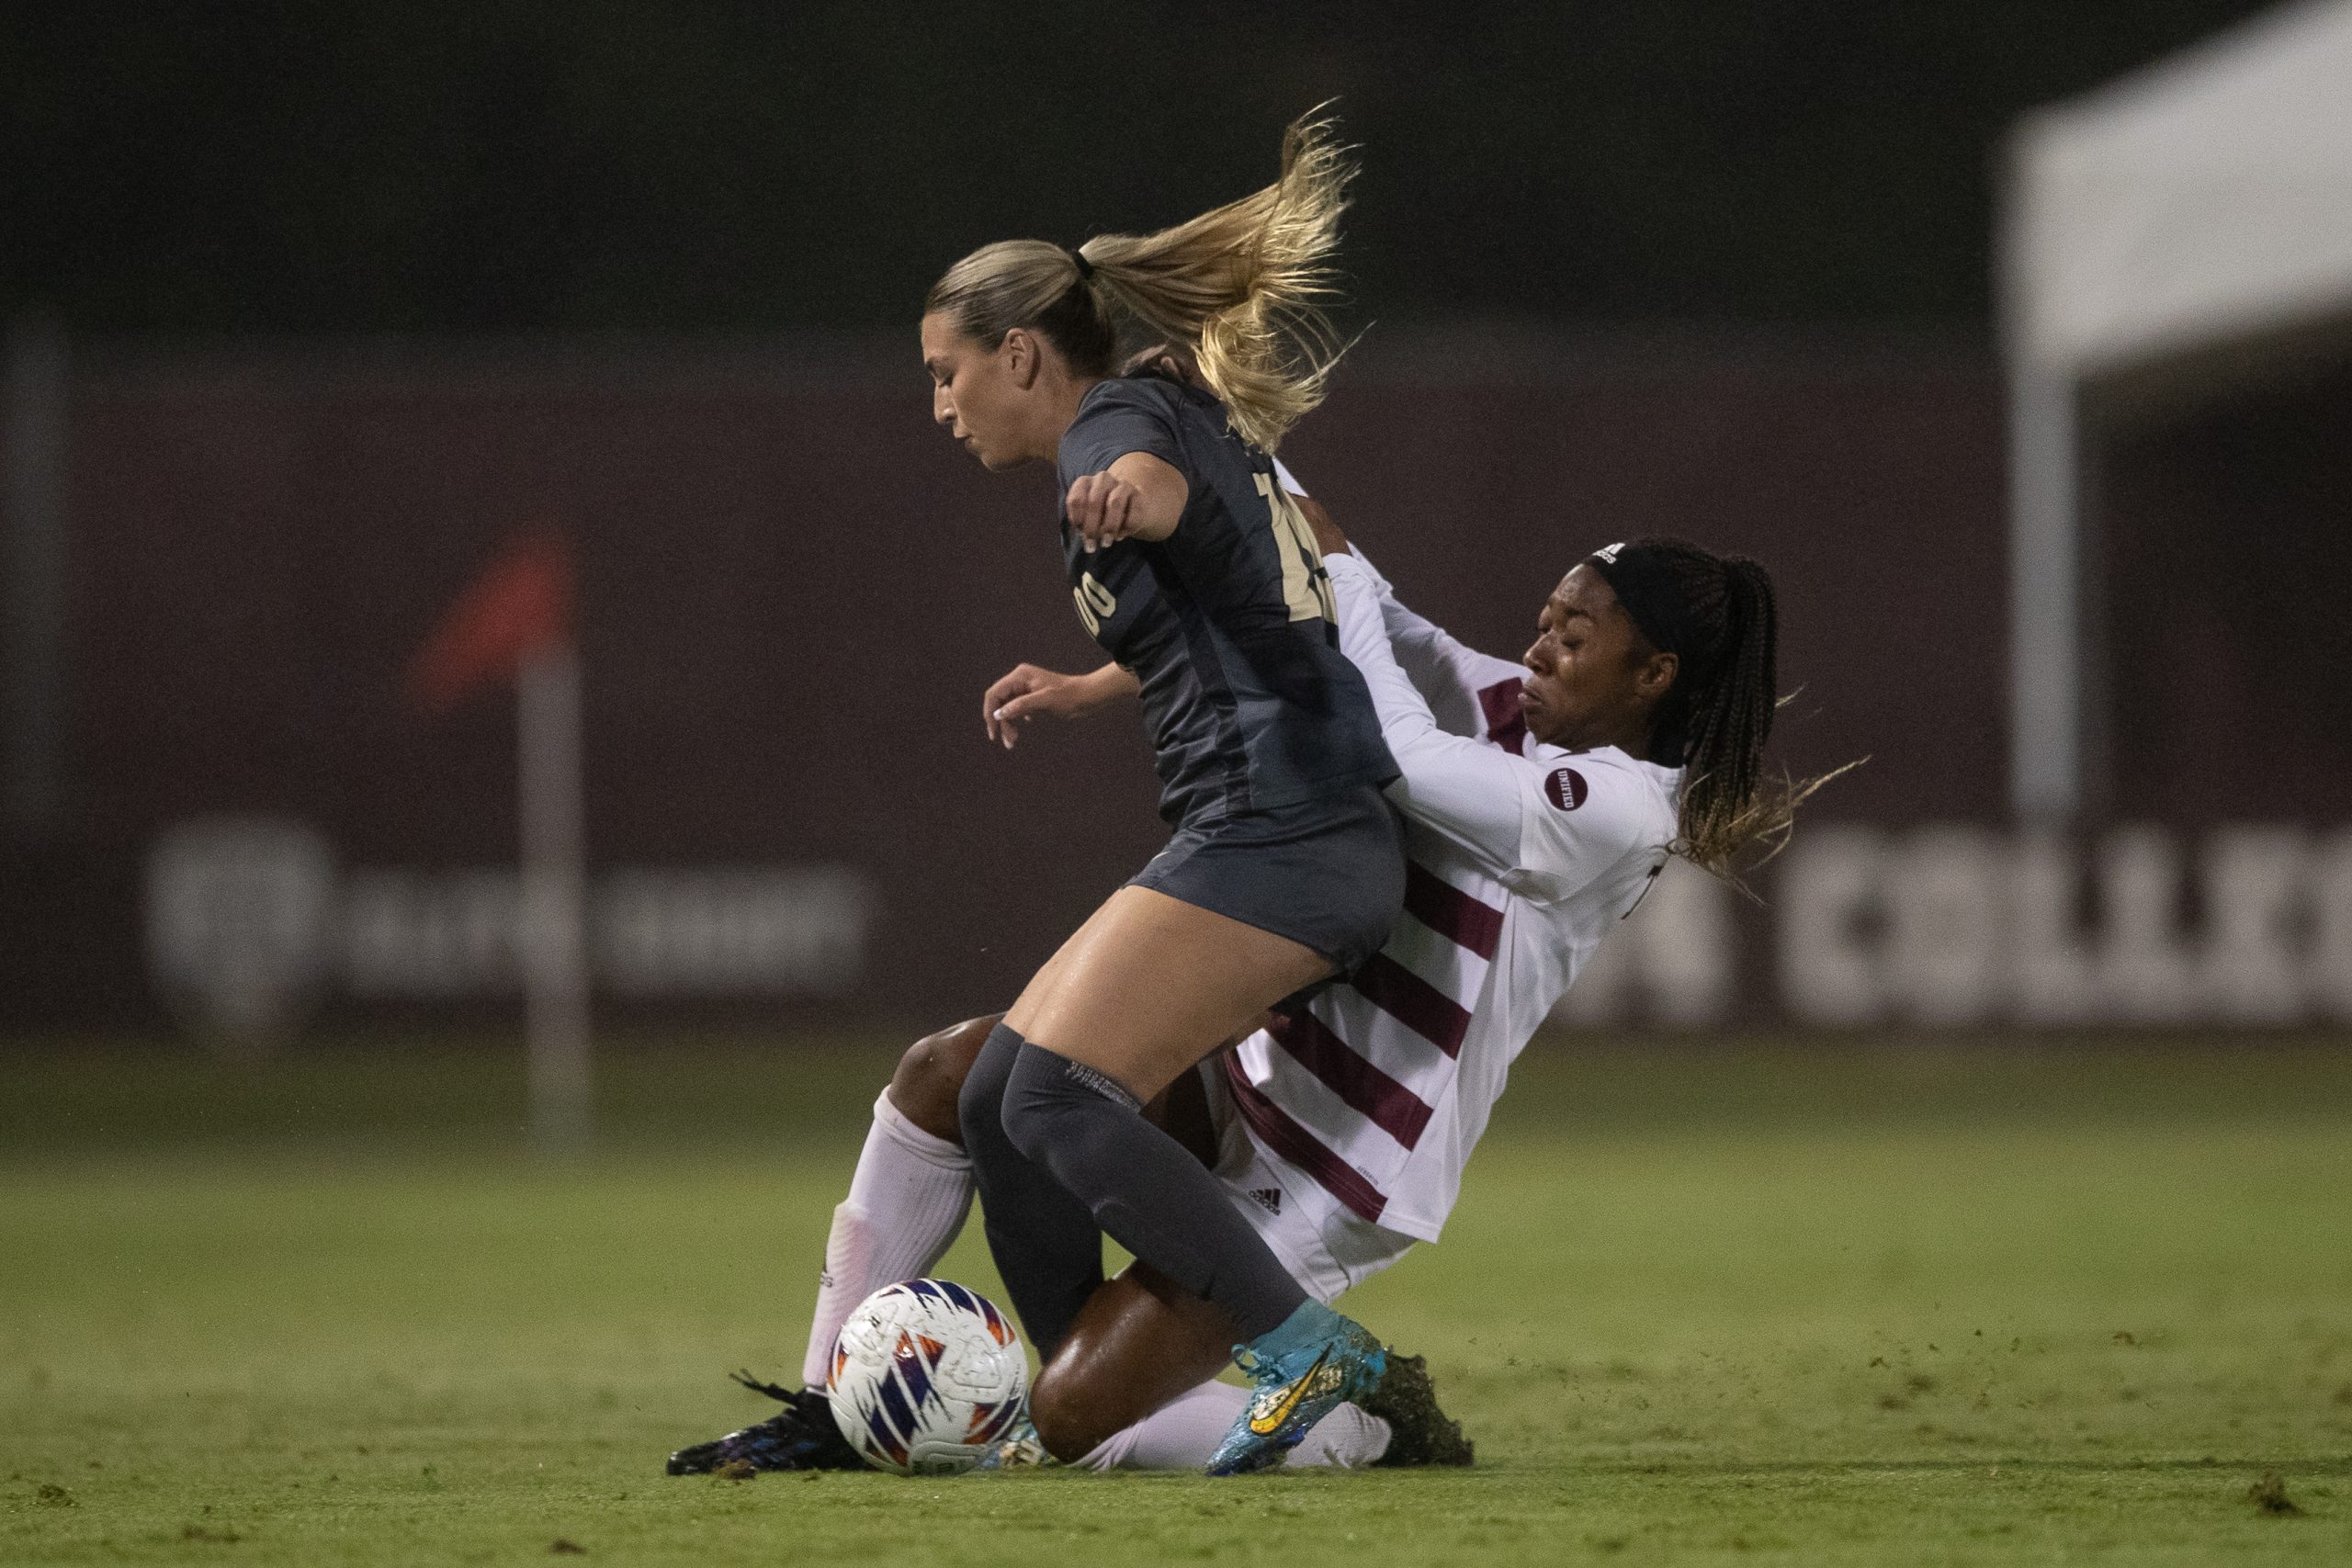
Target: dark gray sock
{"points": [[1143, 1188], [1045, 1242]]}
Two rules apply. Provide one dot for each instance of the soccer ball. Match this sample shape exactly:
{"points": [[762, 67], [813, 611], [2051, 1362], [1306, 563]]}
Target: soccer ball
{"points": [[928, 1377]]}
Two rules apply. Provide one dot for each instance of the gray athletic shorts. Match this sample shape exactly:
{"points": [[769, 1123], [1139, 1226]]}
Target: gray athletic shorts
{"points": [[1327, 873]]}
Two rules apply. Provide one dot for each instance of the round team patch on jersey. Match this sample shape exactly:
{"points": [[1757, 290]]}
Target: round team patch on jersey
{"points": [[1566, 788]]}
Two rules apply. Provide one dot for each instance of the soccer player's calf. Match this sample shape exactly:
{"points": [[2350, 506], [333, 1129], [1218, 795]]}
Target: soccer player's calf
{"points": [[1131, 1384]]}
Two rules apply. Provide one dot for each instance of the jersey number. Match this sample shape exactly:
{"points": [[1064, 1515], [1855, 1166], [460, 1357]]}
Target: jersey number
{"points": [[1306, 587], [1095, 604]]}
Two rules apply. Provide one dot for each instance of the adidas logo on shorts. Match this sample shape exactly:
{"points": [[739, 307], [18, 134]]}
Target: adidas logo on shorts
{"points": [[1267, 1198]]}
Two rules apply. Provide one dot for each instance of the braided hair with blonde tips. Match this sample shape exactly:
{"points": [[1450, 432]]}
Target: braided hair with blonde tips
{"points": [[1241, 290], [1715, 720]]}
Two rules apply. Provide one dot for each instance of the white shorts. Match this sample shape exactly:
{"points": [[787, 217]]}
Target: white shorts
{"points": [[1325, 1246]]}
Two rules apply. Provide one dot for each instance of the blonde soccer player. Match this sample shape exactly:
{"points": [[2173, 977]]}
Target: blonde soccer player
{"points": [[1540, 798]]}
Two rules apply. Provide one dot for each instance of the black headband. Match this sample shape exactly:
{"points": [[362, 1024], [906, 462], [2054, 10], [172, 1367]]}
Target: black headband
{"points": [[1645, 584], [1085, 268]]}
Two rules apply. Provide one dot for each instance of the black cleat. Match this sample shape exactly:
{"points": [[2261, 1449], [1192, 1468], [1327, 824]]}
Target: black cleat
{"points": [[800, 1437], [1419, 1432]]}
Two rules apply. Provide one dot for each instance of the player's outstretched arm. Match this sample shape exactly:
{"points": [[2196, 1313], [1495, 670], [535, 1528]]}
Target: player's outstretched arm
{"points": [[1466, 789], [1031, 690], [1449, 674], [1424, 650], [1329, 539]]}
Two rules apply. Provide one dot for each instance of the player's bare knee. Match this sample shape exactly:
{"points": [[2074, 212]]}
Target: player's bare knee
{"points": [[1068, 1424], [930, 1076]]}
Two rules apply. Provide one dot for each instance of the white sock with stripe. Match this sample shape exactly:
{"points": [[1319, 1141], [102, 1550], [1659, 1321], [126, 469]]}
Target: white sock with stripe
{"points": [[1183, 1434], [907, 1201]]}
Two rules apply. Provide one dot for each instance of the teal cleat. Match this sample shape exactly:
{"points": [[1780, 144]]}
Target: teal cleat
{"points": [[1315, 1362], [1018, 1448]]}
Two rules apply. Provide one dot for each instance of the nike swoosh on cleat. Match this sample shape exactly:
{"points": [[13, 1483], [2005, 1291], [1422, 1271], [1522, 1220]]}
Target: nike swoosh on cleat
{"points": [[1272, 1422]]}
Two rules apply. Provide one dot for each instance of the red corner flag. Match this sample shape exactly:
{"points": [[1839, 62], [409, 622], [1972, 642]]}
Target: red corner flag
{"points": [[513, 624], [520, 605]]}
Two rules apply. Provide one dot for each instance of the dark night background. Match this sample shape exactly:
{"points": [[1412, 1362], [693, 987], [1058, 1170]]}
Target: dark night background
{"points": [[349, 294], [516, 166]]}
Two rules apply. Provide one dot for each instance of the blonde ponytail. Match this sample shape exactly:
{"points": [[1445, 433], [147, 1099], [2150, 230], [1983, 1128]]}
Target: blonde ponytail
{"points": [[1242, 287]]}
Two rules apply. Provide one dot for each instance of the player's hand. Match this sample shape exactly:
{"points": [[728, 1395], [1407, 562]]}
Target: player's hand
{"points": [[1102, 509], [1161, 360], [1328, 540], [1029, 690]]}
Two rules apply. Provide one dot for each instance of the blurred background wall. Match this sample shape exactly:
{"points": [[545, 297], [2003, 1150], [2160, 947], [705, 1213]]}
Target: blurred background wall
{"points": [[316, 310]]}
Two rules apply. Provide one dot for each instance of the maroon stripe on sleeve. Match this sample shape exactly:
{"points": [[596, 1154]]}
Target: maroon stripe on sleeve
{"points": [[1413, 1002], [1452, 913], [1506, 726], [1392, 1108], [1299, 1147]]}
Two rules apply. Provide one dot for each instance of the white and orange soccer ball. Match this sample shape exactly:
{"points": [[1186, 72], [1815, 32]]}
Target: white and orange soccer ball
{"points": [[928, 1377]]}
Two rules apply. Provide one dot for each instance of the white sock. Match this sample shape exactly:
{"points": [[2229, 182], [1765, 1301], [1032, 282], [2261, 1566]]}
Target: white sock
{"points": [[1348, 1438], [907, 1201], [1183, 1433]]}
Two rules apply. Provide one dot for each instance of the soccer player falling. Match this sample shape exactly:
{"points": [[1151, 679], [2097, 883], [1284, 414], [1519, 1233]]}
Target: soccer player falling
{"points": [[1540, 799]]}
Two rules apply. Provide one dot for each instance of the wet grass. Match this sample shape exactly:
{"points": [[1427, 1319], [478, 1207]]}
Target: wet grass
{"points": [[1852, 1304]]}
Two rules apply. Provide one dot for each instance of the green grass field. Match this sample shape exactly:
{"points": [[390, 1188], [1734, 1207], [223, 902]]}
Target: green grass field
{"points": [[1919, 1304]]}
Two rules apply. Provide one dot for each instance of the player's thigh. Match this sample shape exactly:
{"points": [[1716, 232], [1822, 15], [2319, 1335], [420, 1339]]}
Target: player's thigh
{"points": [[930, 1076], [1137, 1343], [1149, 985]]}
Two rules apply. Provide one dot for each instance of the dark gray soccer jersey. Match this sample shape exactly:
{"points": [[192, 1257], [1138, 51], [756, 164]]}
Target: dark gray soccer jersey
{"points": [[1228, 622]]}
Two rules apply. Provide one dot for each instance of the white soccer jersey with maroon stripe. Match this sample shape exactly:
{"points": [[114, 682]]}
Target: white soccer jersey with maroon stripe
{"points": [[1522, 857]]}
